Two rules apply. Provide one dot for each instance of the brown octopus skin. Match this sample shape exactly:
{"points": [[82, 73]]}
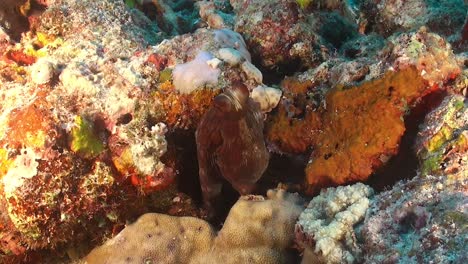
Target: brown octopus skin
{"points": [[230, 144]]}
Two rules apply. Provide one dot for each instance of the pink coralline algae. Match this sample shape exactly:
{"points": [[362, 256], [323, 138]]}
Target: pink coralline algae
{"points": [[230, 144]]}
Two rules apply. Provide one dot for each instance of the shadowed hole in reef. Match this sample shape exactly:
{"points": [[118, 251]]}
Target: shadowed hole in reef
{"points": [[404, 165], [285, 169], [277, 74], [187, 164], [188, 180]]}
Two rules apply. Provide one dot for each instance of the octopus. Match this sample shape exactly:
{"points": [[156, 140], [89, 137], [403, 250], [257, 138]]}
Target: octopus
{"points": [[13, 19], [230, 144]]}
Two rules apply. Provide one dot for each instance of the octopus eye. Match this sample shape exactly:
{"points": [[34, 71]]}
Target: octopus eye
{"points": [[240, 91], [222, 102]]}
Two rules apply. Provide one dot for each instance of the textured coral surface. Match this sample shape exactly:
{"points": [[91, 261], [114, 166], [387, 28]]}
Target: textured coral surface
{"points": [[355, 130], [257, 230]]}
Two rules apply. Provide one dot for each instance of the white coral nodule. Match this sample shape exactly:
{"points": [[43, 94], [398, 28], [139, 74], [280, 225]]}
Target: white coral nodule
{"points": [[329, 219]]}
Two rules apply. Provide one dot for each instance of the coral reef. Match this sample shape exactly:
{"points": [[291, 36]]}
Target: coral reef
{"points": [[368, 144], [58, 117], [104, 104], [216, 14], [194, 68], [444, 17], [172, 17], [257, 230], [444, 139], [422, 220], [325, 227], [279, 38], [346, 148], [85, 98], [425, 219], [416, 221], [234, 120]]}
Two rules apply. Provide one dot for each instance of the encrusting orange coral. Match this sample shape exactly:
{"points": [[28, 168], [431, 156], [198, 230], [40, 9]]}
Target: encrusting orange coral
{"points": [[354, 132], [183, 110]]}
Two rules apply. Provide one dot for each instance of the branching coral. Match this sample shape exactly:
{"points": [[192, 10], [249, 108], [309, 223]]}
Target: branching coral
{"points": [[327, 224]]}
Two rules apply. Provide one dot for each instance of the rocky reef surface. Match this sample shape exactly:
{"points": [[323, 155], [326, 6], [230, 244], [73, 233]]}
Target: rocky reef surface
{"points": [[362, 104]]}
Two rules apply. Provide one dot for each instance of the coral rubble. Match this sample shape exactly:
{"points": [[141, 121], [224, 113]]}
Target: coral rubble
{"points": [[422, 220]]}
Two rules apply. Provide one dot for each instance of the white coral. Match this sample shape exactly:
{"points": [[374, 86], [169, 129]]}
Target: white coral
{"points": [[146, 153], [267, 97], [252, 72], [195, 74], [329, 220], [42, 71]]}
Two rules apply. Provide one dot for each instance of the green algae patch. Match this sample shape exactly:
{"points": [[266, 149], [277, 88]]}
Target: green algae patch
{"points": [[165, 75], [445, 134], [448, 138], [84, 141], [303, 4]]}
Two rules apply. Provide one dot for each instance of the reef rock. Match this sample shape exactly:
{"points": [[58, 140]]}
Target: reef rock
{"points": [[277, 32], [348, 141], [422, 220], [73, 151], [443, 141], [426, 218], [444, 17]]}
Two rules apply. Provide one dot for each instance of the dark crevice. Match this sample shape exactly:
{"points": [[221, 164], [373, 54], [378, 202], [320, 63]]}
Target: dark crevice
{"points": [[404, 165], [183, 142], [284, 169], [276, 75]]}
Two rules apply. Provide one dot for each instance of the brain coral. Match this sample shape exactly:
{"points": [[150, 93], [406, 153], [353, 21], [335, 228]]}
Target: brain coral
{"points": [[257, 230]]}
